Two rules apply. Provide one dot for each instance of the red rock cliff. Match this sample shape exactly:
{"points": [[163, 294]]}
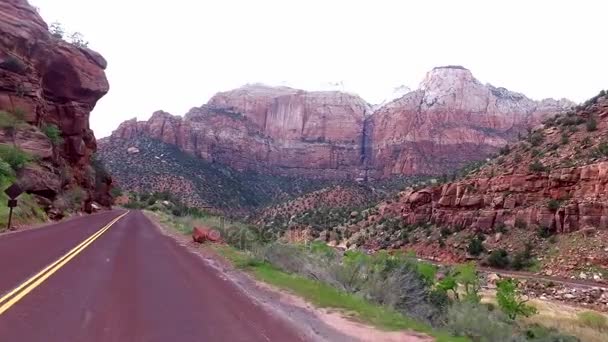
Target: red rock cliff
{"points": [[51, 82], [279, 130], [450, 120]]}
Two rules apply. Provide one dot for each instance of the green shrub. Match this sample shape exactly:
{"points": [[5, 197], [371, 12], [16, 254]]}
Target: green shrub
{"points": [[538, 333], [586, 142], [9, 120], [544, 232], [14, 156], [510, 302], [479, 324], [593, 320], [116, 191], [520, 223], [523, 259], [536, 138], [554, 205], [499, 259], [602, 150], [565, 140], [53, 133], [591, 124], [475, 246], [6, 171], [537, 166]]}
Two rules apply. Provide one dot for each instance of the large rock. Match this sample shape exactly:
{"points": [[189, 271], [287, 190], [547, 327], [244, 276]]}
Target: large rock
{"points": [[51, 82]]}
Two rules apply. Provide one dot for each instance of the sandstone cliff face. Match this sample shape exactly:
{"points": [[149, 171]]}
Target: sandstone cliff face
{"points": [[52, 83], [451, 119], [277, 130]]}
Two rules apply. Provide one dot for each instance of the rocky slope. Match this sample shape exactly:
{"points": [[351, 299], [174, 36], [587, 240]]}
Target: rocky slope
{"points": [[146, 165], [552, 182], [450, 120], [47, 82]]}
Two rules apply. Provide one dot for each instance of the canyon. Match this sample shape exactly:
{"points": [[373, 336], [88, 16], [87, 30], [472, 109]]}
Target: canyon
{"points": [[450, 120]]}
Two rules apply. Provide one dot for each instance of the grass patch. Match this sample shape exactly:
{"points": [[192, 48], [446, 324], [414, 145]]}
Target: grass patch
{"points": [[593, 320], [325, 296]]}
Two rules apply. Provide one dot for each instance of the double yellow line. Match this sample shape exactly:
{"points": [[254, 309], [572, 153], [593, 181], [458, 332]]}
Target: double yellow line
{"points": [[29, 285]]}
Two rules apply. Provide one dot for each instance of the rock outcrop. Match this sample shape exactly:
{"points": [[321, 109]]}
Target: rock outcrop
{"points": [[450, 120], [49, 82], [276, 130], [556, 179]]}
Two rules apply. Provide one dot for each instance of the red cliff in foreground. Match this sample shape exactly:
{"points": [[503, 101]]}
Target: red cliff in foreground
{"points": [[46, 81]]}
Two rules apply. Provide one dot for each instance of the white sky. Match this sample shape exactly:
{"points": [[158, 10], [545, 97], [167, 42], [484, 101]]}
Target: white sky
{"points": [[174, 55]]}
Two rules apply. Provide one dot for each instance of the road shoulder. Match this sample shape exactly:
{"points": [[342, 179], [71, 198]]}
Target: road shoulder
{"points": [[318, 324]]}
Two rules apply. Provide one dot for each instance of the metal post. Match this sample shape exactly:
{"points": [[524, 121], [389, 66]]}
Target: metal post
{"points": [[10, 218]]}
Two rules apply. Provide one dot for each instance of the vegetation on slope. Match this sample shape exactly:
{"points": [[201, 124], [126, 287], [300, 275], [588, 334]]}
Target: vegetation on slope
{"points": [[393, 291], [159, 167]]}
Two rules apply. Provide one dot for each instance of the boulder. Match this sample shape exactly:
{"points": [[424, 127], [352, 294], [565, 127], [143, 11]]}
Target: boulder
{"points": [[203, 234]]}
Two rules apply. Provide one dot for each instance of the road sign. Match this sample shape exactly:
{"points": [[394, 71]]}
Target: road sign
{"points": [[13, 191]]}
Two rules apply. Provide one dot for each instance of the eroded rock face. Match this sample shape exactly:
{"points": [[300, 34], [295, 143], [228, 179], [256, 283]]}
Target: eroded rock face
{"points": [[450, 120], [279, 130], [560, 184], [51, 82]]}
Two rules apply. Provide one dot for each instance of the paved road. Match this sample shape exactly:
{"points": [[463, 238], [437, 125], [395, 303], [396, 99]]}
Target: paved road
{"points": [[131, 283]]}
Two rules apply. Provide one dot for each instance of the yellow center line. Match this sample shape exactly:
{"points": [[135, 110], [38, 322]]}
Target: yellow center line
{"points": [[41, 276]]}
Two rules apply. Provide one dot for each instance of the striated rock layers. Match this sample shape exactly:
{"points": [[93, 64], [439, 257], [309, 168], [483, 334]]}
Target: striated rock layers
{"points": [[557, 179], [48, 81], [450, 120], [274, 130]]}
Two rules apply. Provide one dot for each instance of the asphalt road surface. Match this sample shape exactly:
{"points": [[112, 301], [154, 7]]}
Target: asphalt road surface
{"points": [[113, 276]]}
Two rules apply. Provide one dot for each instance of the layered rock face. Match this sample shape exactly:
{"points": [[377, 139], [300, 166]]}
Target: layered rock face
{"points": [[557, 180], [451, 119], [50, 82], [277, 130]]}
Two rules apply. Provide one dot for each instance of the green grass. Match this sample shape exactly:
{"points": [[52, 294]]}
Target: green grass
{"points": [[593, 320], [324, 296], [27, 210]]}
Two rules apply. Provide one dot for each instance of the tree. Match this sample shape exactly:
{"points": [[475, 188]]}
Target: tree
{"points": [[57, 30], [509, 300], [466, 275], [77, 39]]}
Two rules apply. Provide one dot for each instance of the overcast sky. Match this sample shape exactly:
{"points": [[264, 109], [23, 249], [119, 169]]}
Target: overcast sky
{"points": [[174, 55]]}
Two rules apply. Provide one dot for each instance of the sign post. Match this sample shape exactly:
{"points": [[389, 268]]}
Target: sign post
{"points": [[13, 192]]}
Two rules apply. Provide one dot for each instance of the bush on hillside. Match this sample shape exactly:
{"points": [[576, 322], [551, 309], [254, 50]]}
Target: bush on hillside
{"points": [[537, 166], [499, 259], [14, 156], [53, 133], [475, 247], [591, 124]]}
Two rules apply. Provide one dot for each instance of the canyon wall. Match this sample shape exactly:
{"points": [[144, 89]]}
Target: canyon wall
{"points": [[450, 120]]}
